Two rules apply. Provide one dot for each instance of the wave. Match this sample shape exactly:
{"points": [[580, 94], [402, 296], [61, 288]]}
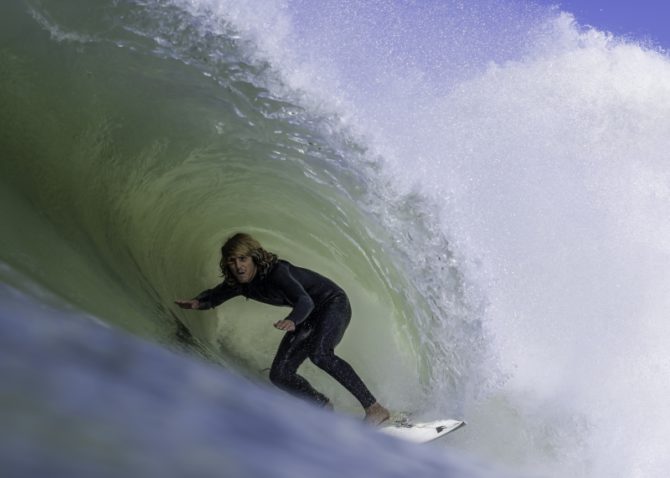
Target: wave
{"points": [[488, 184]]}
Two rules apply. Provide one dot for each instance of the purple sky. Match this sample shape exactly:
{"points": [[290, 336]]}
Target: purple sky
{"points": [[639, 19]]}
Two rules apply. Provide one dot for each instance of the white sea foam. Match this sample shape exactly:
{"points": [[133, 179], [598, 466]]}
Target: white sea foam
{"points": [[56, 31]]}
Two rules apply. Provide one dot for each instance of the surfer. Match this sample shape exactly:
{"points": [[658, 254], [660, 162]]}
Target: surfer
{"points": [[320, 315]]}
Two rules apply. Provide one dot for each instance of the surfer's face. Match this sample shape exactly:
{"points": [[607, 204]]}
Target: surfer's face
{"points": [[242, 267]]}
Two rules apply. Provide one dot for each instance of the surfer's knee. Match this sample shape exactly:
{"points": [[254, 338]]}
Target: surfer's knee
{"points": [[279, 376], [323, 360]]}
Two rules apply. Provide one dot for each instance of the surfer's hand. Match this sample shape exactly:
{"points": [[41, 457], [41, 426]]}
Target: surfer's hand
{"points": [[287, 325], [188, 304]]}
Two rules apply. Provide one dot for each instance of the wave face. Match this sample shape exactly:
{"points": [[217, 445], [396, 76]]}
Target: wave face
{"points": [[489, 184]]}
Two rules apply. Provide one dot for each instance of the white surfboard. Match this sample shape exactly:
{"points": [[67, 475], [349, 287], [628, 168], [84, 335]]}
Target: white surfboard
{"points": [[422, 432]]}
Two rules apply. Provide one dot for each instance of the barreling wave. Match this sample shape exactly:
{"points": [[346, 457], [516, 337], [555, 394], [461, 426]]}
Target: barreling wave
{"points": [[466, 185], [171, 131]]}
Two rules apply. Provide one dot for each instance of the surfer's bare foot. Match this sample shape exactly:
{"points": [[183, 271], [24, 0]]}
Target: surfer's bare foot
{"points": [[328, 406], [375, 414]]}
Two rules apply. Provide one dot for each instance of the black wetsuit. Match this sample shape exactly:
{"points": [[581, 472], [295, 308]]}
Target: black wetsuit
{"points": [[321, 313]]}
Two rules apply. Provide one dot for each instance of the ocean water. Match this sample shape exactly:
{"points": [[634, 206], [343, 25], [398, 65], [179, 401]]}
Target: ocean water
{"points": [[488, 181]]}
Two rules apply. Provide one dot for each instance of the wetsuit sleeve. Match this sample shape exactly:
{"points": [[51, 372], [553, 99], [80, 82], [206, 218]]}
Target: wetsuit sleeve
{"points": [[302, 303], [218, 295]]}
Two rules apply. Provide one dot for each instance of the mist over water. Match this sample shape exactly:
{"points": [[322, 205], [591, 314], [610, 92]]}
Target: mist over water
{"points": [[493, 181]]}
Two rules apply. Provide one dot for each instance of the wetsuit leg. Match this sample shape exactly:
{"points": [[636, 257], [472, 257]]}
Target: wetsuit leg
{"points": [[330, 322], [293, 350]]}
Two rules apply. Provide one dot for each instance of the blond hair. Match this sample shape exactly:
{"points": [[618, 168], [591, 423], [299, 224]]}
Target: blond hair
{"points": [[242, 244]]}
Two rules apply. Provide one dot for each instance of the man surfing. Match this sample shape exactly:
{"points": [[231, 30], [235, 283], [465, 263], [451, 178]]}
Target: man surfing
{"points": [[321, 313]]}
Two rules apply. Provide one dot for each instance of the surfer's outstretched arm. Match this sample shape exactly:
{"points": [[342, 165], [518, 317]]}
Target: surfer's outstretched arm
{"points": [[210, 298], [188, 304]]}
